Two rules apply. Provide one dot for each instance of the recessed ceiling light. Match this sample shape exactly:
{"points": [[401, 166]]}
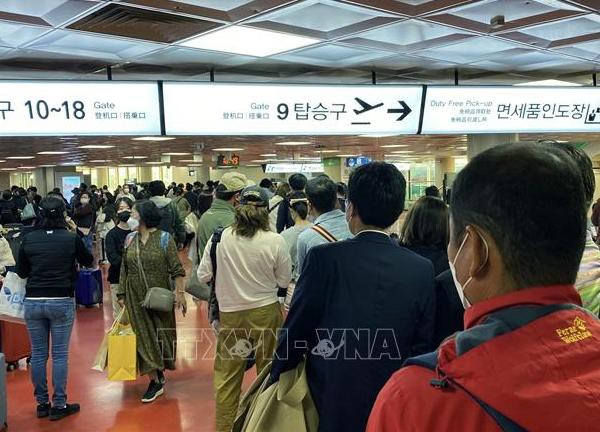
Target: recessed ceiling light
{"points": [[135, 157], [394, 145], [154, 163], [176, 154], [550, 82], [100, 161], [293, 143], [27, 167], [261, 160], [249, 41], [269, 155], [153, 138], [20, 157], [9, 169], [71, 164], [46, 166], [252, 166], [326, 151], [2, 161], [127, 165], [96, 146], [53, 152], [228, 149], [345, 155]]}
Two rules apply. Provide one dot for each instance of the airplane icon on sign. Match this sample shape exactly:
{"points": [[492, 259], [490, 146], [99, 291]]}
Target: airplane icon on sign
{"points": [[365, 106]]}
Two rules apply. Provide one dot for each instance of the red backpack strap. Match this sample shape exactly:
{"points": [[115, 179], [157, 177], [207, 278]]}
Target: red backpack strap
{"points": [[324, 233]]}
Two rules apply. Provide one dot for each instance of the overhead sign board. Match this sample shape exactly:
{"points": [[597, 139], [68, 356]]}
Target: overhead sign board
{"points": [[240, 109], [233, 161], [511, 109], [294, 168], [47, 108]]}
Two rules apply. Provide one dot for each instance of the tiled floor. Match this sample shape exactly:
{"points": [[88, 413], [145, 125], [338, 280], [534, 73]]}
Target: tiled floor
{"points": [[188, 404]]}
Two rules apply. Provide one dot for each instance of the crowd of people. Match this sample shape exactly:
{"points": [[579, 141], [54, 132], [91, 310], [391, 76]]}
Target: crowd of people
{"points": [[478, 315]]}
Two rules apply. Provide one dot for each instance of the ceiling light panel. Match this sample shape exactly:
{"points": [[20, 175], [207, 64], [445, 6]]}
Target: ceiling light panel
{"points": [[249, 41], [230, 149], [96, 146], [20, 157], [153, 138], [53, 152]]}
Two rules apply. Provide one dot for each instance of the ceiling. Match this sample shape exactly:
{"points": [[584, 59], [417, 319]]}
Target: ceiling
{"points": [[355, 41], [255, 150], [402, 41]]}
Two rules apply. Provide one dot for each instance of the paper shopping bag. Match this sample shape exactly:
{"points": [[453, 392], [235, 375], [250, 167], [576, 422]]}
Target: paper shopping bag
{"points": [[122, 353], [101, 359], [12, 296]]}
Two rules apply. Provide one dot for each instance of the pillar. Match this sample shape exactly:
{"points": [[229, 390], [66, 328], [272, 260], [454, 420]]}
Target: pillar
{"points": [[443, 165], [333, 168], [478, 143]]}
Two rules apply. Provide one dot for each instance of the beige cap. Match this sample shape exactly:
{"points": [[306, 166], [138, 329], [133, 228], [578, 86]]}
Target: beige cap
{"points": [[234, 181]]}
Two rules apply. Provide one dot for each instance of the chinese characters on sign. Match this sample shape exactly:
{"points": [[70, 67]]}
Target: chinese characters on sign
{"points": [[78, 108], [224, 109], [511, 110]]}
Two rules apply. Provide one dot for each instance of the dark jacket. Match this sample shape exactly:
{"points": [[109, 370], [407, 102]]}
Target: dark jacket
{"points": [[449, 311], [115, 243], [437, 256], [8, 212], [83, 215], [192, 198], [371, 298], [48, 258], [284, 217]]}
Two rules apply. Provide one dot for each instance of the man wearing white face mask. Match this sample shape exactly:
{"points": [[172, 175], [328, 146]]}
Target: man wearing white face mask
{"points": [[529, 357]]}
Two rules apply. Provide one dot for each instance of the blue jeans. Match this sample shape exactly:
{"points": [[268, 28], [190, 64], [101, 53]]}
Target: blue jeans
{"points": [[45, 318]]}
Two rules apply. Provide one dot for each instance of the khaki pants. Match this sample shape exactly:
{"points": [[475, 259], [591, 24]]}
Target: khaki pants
{"points": [[240, 334]]}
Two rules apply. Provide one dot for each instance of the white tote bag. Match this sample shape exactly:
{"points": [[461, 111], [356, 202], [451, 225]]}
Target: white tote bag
{"points": [[12, 296]]}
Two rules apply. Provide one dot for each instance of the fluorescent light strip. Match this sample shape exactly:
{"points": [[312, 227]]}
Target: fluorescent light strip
{"points": [[96, 146], [228, 149], [293, 143], [20, 157], [135, 157], [53, 152], [151, 138], [176, 154], [249, 41]]}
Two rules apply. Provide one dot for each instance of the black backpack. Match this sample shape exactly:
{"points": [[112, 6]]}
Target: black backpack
{"points": [[167, 218]]}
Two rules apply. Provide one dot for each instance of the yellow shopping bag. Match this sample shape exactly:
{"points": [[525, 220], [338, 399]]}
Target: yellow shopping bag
{"points": [[101, 359], [122, 352]]}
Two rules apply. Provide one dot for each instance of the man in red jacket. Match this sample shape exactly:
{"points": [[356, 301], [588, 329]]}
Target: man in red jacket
{"points": [[529, 357]]}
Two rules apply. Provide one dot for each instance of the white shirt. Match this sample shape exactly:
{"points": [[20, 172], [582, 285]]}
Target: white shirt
{"points": [[249, 270]]}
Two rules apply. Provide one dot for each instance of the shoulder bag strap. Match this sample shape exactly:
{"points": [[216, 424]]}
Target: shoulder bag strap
{"points": [[139, 261], [324, 233], [275, 206]]}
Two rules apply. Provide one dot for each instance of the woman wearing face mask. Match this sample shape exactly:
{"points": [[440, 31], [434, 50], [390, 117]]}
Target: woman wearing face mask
{"points": [[150, 259], [105, 221], [84, 218], [115, 242], [126, 193]]}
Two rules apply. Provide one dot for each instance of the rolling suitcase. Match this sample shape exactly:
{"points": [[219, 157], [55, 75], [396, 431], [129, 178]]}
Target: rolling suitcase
{"points": [[14, 343], [88, 289], [3, 396]]}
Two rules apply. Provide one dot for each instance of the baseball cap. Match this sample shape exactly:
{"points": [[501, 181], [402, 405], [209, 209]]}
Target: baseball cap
{"points": [[233, 182], [254, 195]]}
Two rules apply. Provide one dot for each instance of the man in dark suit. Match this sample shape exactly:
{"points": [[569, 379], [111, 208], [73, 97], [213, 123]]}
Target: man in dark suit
{"points": [[360, 307]]}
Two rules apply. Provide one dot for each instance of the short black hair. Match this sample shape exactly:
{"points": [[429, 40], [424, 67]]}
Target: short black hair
{"points": [[189, 187], [297, 182], [377, 191], [266, 183], [7, 195], [198, 184], [584, 163], [157, 188], [426, 224], [432, 191], [149, 213], [298, 203], [322, 194], [52, 210], [83, 187], [126, 200], [342, 189], [529, 198]]}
